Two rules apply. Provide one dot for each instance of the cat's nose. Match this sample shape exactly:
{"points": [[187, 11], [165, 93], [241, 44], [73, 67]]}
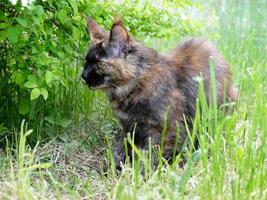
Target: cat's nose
{"points": [[85, 73]]}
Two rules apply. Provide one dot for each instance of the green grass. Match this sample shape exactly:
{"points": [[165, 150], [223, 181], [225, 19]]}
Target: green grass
{"points": [[230, 164]]}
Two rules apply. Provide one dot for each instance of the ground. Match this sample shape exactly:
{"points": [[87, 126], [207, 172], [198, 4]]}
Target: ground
{"points": [[230, 164]]}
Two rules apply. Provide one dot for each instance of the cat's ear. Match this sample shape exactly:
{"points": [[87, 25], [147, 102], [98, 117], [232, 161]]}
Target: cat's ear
{"points": [[119, 35], [96, 32]]}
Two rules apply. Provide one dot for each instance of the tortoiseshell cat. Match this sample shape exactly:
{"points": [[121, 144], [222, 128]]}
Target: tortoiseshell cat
{"points": [[142, 84]]}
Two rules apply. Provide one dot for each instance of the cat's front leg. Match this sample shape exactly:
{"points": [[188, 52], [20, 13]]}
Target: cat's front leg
{"points": [[119, 154]]}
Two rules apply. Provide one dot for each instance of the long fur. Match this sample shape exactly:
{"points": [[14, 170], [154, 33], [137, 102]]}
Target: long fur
{"points": [[142, 85]]}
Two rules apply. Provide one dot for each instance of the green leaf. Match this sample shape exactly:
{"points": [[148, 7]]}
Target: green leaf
{"points": [[3, 25], [64, 82], [43, 59], [3, 35], [61, 54], [77, 18], [34, 50], [38, 10], [17, 77], [12, 34], [57, 119], [196, 156], [63, 138], [48, 77], [24, 106], [44, 92], [35, 93], [32, 78], [30, 84], [51, 118], [62, 15], [75, 33], [74, 6], [64, 122], [22, 21]]}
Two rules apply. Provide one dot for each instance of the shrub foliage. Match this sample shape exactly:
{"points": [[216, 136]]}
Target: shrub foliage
{"points": [[42, 48]]}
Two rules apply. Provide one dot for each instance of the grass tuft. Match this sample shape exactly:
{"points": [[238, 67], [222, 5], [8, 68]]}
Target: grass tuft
{"points": [[231, 162]]}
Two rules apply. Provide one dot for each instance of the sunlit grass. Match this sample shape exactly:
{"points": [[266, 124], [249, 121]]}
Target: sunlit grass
{"points": [[231, 162]]}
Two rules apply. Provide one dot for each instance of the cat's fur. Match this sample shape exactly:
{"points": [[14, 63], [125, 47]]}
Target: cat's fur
{"points": [[142, 84]]}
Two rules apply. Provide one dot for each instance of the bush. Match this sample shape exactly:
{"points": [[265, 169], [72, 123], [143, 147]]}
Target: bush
{"points": [[42, 48]]}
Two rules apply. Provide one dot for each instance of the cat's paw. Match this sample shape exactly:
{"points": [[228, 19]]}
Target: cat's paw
{"points": [[119, 158]]}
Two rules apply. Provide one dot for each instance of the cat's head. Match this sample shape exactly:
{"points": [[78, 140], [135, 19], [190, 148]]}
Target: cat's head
{"points": [[114, 58]]}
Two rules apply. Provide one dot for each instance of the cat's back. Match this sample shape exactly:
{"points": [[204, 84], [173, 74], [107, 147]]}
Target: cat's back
{"points": [[196, 53], [194, 56]]}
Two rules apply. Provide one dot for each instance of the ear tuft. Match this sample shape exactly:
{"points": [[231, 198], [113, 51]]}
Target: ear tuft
{"points": [[118, 21], [119, 36]]}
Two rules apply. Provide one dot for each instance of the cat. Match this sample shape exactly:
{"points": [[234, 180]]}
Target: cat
{"points": [[142, 85]]}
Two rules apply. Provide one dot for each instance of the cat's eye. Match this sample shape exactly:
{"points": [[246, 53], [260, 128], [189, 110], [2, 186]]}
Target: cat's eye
{"points": [[100, 64]]}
